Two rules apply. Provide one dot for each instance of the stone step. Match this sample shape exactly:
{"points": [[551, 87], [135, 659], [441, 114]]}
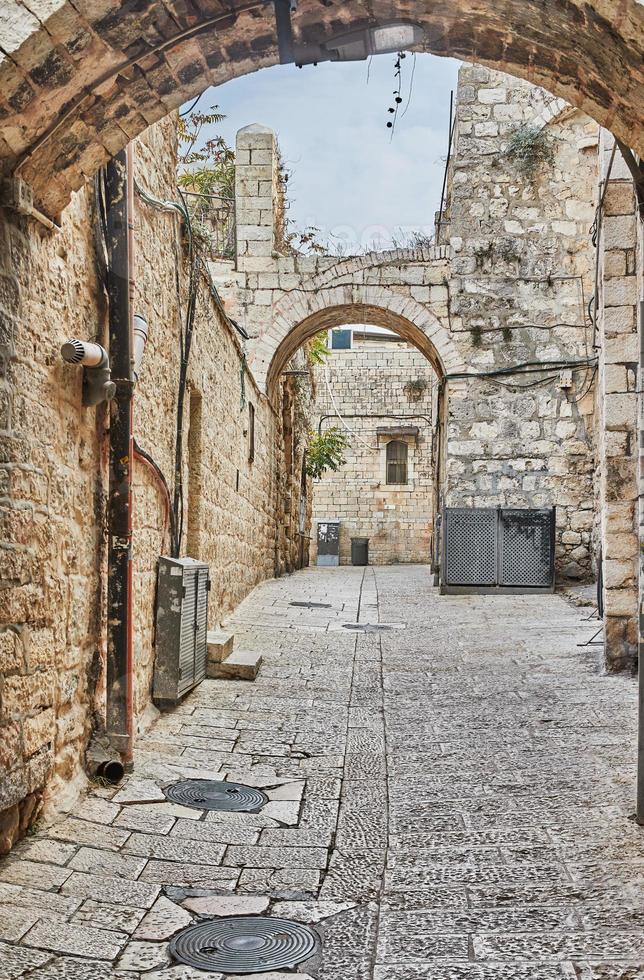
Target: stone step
{"points": [[220, 645], [242, 665]]}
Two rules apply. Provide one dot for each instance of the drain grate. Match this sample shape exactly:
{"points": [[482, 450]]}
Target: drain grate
{"points": [[244, 944], [366, 627], [212, 794], [311, 605]]}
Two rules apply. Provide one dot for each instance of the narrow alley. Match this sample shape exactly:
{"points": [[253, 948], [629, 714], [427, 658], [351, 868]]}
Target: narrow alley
{"points": [[450, 797]]}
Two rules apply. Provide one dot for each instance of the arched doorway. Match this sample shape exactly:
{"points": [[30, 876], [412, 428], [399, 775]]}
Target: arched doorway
{"points": [[77, 87], [396, 416]]}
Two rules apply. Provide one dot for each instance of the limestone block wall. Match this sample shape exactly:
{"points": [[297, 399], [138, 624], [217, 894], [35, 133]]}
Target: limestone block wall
{"points": [[620, 277], [53, 478], [51, 491], [508, 284], [368, 388], [522, 275]]}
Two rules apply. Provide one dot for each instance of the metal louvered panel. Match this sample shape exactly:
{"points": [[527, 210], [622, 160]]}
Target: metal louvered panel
{"points": [[187, 639], [527, 547], [487, 549], [470, 536], [201, 629], [181, 627]]}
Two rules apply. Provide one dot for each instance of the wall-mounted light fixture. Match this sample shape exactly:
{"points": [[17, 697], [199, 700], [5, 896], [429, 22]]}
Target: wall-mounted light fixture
{"points": [[353, 46]]}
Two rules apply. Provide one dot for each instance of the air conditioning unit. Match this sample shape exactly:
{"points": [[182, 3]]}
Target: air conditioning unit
{"points": [[181, 628]]}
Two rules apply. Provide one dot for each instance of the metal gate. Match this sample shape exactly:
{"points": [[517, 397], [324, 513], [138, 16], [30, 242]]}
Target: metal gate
{"points": [[493, 549]]}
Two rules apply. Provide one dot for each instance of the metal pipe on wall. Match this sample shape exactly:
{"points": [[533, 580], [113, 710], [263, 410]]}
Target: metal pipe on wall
{"points": [[119, 703], [640, 646]]}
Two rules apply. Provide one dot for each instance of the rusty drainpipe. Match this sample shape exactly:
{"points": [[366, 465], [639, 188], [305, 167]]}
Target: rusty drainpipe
{"points": [[119, 701]]}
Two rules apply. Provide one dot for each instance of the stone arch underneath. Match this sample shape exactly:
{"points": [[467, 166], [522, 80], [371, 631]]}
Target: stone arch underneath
{"points": [[302, 315], [79, 81]]}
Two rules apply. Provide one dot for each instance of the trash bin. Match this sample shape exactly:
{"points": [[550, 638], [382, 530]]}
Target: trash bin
{"points": [[359, 551]]}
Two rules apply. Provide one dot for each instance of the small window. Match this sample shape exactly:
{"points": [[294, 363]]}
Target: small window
{"points": [[251, 432], [397, 462], [341, 339]]}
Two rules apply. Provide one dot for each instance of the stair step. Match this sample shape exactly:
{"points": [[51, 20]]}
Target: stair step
{"points": [[220, 645], [242, 665]]}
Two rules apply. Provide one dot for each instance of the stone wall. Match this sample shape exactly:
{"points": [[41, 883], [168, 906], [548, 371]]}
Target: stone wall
{"points": [[369, 385], [522, 275], [77, 82], [53, 478], [509, 288], [620, 278]]}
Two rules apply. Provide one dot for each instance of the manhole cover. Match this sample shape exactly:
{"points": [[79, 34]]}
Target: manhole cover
{"points": [[366, 627], [211, 794], [311, 605], [244, 944]]}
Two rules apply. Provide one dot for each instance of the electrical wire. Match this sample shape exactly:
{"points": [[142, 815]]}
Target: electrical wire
{"points": [[526, 367], [185, 342], [411, 89], [595, 235], [191, 108], [153, 465], [338, 413]]}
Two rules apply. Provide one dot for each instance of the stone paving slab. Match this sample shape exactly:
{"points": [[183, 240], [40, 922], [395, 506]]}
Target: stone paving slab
{"points": [[448, 801]]}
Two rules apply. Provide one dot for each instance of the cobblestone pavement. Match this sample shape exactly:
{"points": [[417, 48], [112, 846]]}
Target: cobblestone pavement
{"points": [[450, 798]]}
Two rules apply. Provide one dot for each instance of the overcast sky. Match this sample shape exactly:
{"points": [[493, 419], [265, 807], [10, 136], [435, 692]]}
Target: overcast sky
{"points": [[349, 177]]}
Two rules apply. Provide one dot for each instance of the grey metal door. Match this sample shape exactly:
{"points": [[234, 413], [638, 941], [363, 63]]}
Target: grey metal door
{"points": [[470, 545], [328, 543], [526, 550]]}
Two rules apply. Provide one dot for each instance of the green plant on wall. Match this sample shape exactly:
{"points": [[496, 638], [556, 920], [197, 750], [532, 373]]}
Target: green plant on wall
{"points": [[530, 148], [317, 349], [325, 451], [415, 389], [205, 166]]}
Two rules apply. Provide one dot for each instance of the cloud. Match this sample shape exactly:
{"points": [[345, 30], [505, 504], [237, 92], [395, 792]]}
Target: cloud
{"points": [[347, 172]]}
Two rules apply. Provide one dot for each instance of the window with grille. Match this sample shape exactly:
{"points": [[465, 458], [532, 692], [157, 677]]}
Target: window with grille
{"points": [[397, 462]]}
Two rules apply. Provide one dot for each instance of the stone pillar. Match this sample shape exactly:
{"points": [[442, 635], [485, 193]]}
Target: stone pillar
{"points": [[256, 197], [617, 437]]}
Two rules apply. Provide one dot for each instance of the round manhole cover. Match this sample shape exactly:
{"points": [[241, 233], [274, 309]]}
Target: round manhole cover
{"points": [[244, 944], [212, 794]]}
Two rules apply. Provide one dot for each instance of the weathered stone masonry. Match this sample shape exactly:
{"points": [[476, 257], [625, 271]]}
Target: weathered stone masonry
{"points": [[79, 81], [54, 479], [490, 295], [370, 386], [510, 286]]}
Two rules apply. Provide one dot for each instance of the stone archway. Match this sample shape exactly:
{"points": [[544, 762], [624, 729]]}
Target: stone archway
{"points": [[300, 315], [79, 81]]}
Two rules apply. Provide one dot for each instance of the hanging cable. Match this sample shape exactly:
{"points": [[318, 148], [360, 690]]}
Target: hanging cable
{"points": [[191, 108], [595, 235], [338, 413], [397, 96], [411, 89], [145, 457]]}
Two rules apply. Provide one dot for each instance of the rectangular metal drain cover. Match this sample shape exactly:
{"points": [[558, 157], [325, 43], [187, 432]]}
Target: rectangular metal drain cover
{"points": [[311, 605]]}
